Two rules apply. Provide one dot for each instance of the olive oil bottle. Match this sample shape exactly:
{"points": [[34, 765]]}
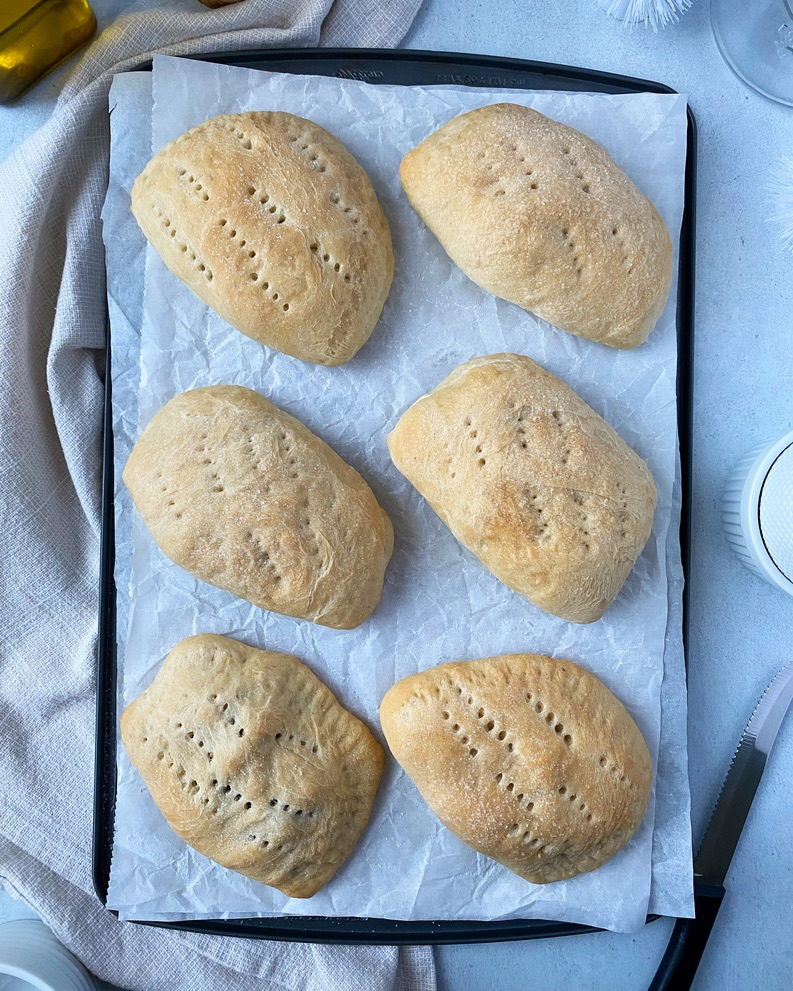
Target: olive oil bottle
{"points": [[36, 36]]}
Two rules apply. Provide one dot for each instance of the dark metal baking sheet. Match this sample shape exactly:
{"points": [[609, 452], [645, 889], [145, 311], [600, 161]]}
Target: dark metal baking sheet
{"points": [[407, 68]]}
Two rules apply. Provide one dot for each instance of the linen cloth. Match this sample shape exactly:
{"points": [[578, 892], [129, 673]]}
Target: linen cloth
{"points": [[52, 291]]}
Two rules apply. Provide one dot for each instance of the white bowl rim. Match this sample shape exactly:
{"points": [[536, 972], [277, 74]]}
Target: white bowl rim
{"points": [[61, 960], [750, 511]]}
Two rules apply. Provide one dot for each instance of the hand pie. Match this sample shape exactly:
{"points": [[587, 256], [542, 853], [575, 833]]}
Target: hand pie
{"points": [[247, 498], [273, 223], [253, 762], [537, 213], [531, 480], [529, 760]]}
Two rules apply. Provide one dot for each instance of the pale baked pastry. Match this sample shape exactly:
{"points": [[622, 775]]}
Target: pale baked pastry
{"points": [[247, 498], [531, 480], [273, 223], [253, 761], [539, 214], [529, 760]]}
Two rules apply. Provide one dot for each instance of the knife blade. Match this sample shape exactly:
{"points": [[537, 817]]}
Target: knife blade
{"points": [[689, 937]]}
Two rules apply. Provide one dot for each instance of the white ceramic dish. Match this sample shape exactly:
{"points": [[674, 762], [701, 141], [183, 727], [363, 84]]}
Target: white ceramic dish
{"points": [[32, 958], [757, 511]]}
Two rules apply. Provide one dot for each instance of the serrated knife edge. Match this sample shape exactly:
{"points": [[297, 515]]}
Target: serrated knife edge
{"points": [[740, 784], [689, 936]]}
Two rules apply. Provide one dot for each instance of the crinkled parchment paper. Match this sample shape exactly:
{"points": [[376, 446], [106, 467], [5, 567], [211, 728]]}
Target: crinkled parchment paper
{"points": [[439, 603]]}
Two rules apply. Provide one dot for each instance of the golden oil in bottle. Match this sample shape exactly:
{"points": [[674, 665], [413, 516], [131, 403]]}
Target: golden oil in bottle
{"points": [[36, 36]]}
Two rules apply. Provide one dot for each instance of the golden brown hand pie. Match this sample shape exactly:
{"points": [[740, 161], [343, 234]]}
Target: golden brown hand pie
{"points": [[247, 498], [274, 224], [253, 762], [529, 760], [539, 214], [531, 480]]}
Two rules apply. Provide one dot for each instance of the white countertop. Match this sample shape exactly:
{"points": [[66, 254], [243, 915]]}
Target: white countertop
{"points": [[740, 627]]}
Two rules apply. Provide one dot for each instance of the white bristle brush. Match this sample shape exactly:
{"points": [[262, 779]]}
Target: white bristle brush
{"points": [[780, 186], [655, 13]]}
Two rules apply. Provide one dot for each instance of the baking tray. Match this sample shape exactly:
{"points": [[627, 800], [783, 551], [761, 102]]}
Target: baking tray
{"points": [[409, 68]]}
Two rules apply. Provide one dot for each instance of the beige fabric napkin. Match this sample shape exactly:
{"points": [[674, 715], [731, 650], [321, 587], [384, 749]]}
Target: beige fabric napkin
{"points": [[52, 291]]}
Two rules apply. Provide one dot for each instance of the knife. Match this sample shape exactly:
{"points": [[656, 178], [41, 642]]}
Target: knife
{"points": [[679, 964]]}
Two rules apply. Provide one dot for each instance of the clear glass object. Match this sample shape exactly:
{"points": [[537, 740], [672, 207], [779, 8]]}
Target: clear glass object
{"points": [[36, 36], [755, 37]]}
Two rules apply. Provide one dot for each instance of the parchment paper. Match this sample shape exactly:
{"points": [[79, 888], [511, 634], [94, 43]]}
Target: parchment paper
{"points": [[439, 603]]}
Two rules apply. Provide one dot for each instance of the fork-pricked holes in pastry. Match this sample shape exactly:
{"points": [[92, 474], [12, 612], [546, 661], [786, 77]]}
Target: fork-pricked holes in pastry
{"points": [[348, 211], [473, 434], [192, 256], [255, 273], [194, 185], [244, 137], [311, 151], [326, 260], [567, 237], [269, 207]]}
